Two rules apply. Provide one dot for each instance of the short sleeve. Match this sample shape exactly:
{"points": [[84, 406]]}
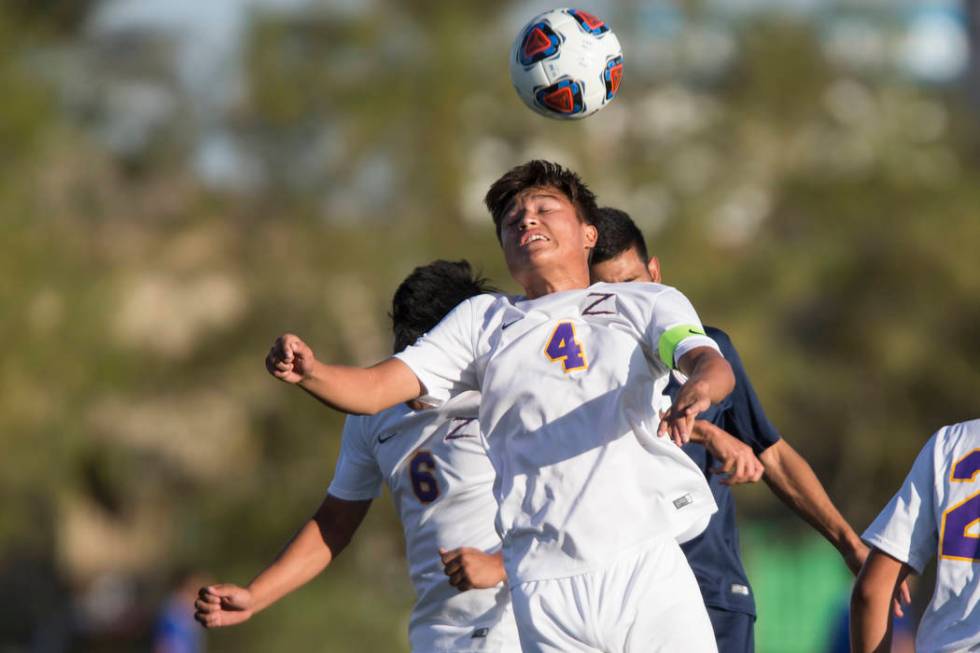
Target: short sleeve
{"points": [[357, 476], [743, 416], [444, 360], [674, 328], [906, 529]]}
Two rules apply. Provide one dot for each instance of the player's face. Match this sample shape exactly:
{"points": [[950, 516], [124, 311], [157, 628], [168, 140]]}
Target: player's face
{"points": [[541, 230], [628, 266]]}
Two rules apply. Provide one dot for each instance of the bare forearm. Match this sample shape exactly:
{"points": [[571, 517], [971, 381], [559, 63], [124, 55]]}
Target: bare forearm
{"points": [[792, 479], [713, 373], [303, 559], [362, 391], [871, 622], [871, 601], [314, 547]]}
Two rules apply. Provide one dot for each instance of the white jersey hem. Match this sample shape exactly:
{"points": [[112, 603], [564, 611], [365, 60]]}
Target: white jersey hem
{"points": [[893, 549], [708, 509]]}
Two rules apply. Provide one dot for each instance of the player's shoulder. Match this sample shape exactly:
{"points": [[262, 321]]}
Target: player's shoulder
{"points": [[484, 304], [487, 299], [475, 312], [969, 430], [640, 293], [959, 438], [633, 288]]}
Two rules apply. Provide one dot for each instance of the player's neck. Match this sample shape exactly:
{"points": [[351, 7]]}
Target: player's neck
{"points": [[541, 284]]}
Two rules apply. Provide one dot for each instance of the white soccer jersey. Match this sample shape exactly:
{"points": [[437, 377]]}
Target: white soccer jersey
{"points": [[937, 511], [568, 384], [436, 467]]}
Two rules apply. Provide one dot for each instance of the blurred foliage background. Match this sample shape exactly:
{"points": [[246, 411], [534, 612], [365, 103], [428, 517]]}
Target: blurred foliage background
{"points": [[181, 181]]}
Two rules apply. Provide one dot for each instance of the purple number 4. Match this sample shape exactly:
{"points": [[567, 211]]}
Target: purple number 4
{"points": [[562, 346]]}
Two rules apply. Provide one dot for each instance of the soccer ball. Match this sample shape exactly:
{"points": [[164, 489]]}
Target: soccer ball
{"points": [[566, 64]]}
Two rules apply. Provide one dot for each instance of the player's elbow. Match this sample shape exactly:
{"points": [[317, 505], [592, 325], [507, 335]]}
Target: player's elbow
{"points": [[862, 596], [869, 630], [720, 374], [384, 385], [378, 402], [865, 596], [372, 397], [727, 378]]}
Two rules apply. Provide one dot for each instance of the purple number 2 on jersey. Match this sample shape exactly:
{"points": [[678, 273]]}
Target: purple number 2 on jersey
{"points": [[959, 536], [562, 346]]}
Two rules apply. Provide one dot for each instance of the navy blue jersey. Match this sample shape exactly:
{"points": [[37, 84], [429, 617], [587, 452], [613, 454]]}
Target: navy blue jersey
{"points": [[714, 555]]}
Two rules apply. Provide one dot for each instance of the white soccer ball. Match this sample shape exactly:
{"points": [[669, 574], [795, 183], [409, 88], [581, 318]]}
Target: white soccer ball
{"points": [[566, 64]]}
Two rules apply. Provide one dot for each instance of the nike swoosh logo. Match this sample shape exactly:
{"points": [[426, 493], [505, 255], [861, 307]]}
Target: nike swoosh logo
{"points": [[382, 438], [697, 333], [511, 323]]}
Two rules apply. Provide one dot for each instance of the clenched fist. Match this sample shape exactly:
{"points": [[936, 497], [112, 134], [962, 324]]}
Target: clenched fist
{"points": [[290, 359], [223, 605], [470, 568]]}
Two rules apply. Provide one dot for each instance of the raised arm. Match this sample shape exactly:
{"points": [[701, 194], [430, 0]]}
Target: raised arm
{"points": [[709, 380], [792, 479], [316, 544], [355, 390], [877, 586]]}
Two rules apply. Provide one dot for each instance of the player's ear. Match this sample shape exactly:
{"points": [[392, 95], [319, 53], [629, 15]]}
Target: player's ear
{"points": [[653, 266], [591, 235]]}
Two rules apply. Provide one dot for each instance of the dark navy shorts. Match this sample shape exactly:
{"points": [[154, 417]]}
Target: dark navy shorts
{"points": [[734, 631]]}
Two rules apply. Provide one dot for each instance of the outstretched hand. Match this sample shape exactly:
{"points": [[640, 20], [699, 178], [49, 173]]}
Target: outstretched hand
{"points": [[290, 359], [678, 420], [218, 606], [470, 568], [735, 458]]}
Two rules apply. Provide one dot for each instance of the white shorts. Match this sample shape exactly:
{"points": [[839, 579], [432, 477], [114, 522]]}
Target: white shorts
{"points": [[496, 636], [641, 603]]}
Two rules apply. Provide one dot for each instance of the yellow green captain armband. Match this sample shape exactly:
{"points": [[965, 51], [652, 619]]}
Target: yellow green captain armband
{"points": [[672, 337]]}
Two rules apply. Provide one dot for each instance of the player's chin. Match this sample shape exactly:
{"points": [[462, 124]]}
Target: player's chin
{"points": [[543, 252], [529, 257]]}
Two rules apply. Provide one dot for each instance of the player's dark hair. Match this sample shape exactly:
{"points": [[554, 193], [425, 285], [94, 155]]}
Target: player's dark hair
{"points": [[428, 294], [539, 174], [617, 234]]}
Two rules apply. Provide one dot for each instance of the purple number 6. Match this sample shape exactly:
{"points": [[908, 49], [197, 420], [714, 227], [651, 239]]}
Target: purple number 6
{"points": [[422, 472], [955, 540]]}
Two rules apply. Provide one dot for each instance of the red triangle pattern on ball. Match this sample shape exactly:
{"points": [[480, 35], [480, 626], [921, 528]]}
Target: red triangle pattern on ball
{"points": [[536, 41], [615, 77], [561, 100], [593, 22]]}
